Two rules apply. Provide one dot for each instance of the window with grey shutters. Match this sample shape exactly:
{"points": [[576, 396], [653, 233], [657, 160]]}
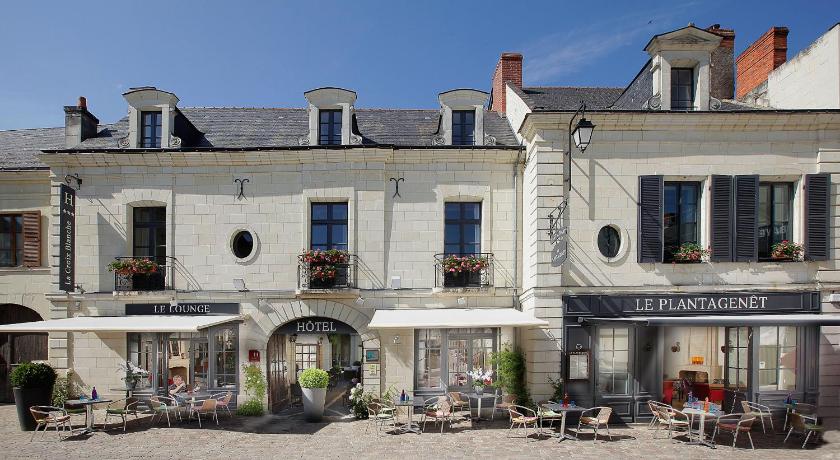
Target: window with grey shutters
{"points": [[650, 219], [721, 225], [817, 215], [746, 218]]}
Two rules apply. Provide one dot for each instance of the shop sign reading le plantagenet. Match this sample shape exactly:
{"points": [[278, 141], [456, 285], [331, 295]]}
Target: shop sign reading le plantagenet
{"points": [[188, 308], [735, 303]]}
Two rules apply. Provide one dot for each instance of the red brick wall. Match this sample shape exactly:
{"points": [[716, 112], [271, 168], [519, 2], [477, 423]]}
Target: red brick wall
{"points": [[757, 61], [509, 68]]}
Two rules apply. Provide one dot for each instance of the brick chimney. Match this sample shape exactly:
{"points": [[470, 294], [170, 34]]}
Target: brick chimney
{"points": [[508, 69], [722, 84], [757, 61], [79, 124]]}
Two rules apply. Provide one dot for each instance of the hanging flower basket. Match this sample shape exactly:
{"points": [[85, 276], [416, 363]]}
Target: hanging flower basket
{"points": [[786, 250], [690, 253], [463, 264], [134, 266], [324, 266]]}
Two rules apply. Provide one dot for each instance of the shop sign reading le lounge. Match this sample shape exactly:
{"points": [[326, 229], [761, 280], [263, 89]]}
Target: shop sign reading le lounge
{"points": [[187, 308], [686, 304]]}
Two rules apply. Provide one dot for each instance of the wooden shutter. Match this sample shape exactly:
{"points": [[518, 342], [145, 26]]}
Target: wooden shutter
{"points": [[746, 218], [722, 223], [650, 219], [817, 216], [32, 238]]}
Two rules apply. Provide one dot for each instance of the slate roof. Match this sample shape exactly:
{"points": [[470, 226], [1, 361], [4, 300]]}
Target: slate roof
{"points": [[232, 127], [18, 148], [568, 97]]}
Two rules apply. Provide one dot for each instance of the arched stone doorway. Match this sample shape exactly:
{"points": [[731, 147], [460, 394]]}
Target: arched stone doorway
{"points": [[313, 333], [18, 348]]}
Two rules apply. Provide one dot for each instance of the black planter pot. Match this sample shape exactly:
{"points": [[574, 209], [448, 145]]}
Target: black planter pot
{"points": [[26, 398]]}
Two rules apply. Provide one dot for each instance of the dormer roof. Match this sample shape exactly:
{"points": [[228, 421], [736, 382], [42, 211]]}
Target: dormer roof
{"points": [[686, 38]]}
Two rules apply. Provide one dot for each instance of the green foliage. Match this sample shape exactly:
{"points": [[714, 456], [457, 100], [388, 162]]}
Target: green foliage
{"points": [[251, 408], [510, 365], [255, 388], [33, 375], [63, 389], [557, 386], [390, 393], [314, 378], [359, 398]]}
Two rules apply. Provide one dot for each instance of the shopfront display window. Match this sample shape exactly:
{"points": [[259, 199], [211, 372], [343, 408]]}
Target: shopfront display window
{"points": [[777, 358], [614, 360], [737, 357], [446, 356], [225, 350]]}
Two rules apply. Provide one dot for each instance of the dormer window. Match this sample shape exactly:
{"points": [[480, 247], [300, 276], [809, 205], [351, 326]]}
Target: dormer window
{"points": [[151, 129], [682, 88], [329, 128], [463, 127]]}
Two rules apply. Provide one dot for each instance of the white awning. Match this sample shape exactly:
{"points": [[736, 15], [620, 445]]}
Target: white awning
{"points": [[452, 317], [801, 319], [122, 324]]}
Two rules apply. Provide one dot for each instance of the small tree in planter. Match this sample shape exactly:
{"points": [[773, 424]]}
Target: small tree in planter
{"points": [[313, 383], [33, 386], [786, 250], [690, 253]]}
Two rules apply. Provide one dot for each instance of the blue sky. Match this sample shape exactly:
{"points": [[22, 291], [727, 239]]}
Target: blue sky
{"points": [[392, 53]]}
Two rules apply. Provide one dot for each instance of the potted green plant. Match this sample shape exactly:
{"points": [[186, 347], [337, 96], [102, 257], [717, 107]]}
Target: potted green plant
{"points": [[255, 388], [359, 399], [786, 250], [313, 383], [32, 386], [689, 253]]}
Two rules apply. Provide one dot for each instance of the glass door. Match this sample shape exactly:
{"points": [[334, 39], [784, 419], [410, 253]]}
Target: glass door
{"points": [[737, 358], [306, 357], [458, 364]]}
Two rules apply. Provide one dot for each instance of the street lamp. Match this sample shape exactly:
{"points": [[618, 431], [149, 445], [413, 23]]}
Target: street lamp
{"points": [[582, 135]]}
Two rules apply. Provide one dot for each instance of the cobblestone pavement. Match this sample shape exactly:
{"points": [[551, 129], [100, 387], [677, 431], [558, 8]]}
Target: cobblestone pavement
{"points": [[290, 437]]}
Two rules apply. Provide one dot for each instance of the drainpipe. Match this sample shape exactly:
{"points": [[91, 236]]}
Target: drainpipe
{"points": [[516, 227]]}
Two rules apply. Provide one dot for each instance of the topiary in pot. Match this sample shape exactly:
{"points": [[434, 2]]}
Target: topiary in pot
{"points": [[33, 386], [313, 383]]}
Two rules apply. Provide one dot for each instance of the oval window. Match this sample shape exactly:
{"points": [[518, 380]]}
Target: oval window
{"points": [[242, 244], [609, 241]]}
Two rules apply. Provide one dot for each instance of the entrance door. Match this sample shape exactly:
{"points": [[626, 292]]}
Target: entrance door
{"points": [[737, 371], [306, 357], [18, 348], [278, 384]]}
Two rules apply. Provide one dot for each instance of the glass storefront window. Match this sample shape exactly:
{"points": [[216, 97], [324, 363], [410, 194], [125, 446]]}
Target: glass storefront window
{"points": [[614, 360], [737, 357], [428, 358], [141, 352], [225, 342], [445, 356], [777, 358]]}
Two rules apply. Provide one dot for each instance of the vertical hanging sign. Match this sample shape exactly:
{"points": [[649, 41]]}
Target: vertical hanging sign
{"points": [[67, 240]]}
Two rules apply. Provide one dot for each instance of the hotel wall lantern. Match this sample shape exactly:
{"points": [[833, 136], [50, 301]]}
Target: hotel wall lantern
{"points": [[320, 340], [397, 340], [74, 177], [239, 284], [676, 348], [360, 301], [581, 133], [293, 338]]}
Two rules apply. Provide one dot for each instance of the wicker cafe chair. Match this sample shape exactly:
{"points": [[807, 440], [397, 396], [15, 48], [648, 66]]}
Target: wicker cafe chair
{"points": [[735, 424], [673, 419], [524, 417], [601, 417], [547, 414], [121, 408], [206, 407], [223, 401], [502, 403], [48, 415], [655, 416], [163, 405], [437, 409], [759, 411], [805, 425], [380, 414], [460, 403]]}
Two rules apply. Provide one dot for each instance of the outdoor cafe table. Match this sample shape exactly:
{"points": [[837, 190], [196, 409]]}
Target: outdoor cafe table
{"points": [[88, 403], [564, 410], [409, 426], [701, 440], [480, 397]]}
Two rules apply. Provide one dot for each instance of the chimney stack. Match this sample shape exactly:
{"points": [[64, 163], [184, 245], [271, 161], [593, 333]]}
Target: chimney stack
{"points": [[722, 84], [508, 69], [762, 57], [79, 124]]}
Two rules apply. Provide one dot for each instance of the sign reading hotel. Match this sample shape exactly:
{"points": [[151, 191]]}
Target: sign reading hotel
{"points": [[186, 309], [316, 325], [67, 239], [726, 303]]}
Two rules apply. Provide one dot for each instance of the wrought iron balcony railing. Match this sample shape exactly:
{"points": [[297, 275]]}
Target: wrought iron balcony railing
{"points": [[324, 275], [157, 279], [464, 270]]}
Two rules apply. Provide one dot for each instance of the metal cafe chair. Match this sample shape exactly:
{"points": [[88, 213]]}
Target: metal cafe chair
{"points": [[805, 424], [437, 409], [735, 424], [602, 417], [760, 411], [223, 401], [524, 417], [46, 416], [121, 408], [163, 405], [207, 407]]}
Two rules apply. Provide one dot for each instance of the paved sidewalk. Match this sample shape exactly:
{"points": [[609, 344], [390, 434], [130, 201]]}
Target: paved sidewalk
{"points": [[290, 437]]}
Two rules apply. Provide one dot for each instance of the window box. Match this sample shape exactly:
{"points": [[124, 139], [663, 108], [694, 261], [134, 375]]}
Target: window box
{"points": [[138, 274], [330, 269], [464, 270]]}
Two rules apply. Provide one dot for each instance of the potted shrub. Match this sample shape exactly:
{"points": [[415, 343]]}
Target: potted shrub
{"points": [[690, 253], [313, 383], [786, 250], [32, 385], [359, 399]]}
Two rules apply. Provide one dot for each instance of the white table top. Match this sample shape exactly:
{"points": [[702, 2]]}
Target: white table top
{"points": [[691, 411], [82, 402], [561, 408]]}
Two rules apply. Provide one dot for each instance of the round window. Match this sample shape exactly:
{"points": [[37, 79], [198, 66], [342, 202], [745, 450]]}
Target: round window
{"points": [[609, 241], [242, 244]]}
